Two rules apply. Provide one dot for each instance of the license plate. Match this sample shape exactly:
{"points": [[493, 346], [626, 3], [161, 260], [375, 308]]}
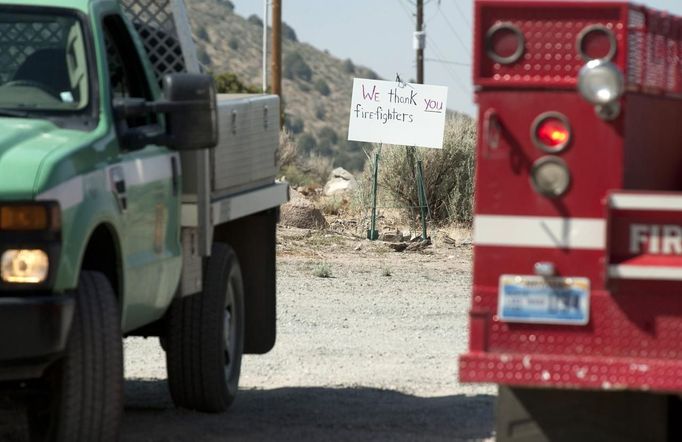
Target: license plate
{"points": [[540, 300]]}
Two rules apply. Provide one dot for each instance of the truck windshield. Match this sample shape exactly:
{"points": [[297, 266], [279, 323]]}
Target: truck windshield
{"points": [[43, 63]]}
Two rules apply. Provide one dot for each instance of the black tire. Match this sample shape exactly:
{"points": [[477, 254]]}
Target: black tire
{"points": [[536, 415], [83, 400], [205, 337]]}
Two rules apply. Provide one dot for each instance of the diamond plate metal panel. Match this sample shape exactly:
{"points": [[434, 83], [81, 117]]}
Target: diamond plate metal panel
{"points": [[155, 24], [19, 40], [550, 56]]}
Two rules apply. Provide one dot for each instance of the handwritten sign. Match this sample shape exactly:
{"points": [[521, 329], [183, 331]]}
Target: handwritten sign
{"points": [[391, 112]]}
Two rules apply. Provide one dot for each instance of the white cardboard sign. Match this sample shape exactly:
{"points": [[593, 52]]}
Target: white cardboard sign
{"points": [[391, 112]]}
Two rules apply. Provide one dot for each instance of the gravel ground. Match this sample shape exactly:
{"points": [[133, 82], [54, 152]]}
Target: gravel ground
{"points": [[360, 355], [367, 354]]}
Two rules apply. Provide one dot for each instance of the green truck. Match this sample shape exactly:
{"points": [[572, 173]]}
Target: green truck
{"points": [[134, 201]]}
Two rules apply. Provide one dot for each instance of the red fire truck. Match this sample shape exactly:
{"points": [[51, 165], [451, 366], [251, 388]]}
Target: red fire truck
{"points": [[577, 290]]}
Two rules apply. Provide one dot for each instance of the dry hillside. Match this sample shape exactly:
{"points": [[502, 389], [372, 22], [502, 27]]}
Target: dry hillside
{"points": [[316, 87]]}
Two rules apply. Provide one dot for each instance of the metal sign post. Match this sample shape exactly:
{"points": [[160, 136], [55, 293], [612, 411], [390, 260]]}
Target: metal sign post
{"points": [[423, 205], [373, 233]]}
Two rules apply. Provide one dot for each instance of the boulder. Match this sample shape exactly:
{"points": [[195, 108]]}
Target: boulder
{"points": [[391, 236], [340, 181], [302, 214]]}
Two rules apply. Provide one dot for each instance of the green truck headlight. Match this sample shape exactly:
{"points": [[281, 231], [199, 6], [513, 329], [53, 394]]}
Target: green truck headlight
{"points": [[24, 266]]}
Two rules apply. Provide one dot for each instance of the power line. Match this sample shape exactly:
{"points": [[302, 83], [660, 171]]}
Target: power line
{"points": [[452, 28], [455, 63], [409, 14], [453, 75], [462, 14]]}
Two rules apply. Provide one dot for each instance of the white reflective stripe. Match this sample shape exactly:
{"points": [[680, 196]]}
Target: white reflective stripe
{"points": [[541, 232], [645, 202], [147, 170], [69, 193], [645, 272]]}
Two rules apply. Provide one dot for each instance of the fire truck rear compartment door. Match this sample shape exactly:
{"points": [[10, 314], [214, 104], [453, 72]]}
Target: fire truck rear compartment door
{"points": [[644, 236]]}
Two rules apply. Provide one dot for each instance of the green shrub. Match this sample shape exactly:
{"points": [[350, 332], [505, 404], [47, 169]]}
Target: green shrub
{"points": [[323, 270], [203, 57], [233, 44], [320, 112], [448, 174], [287, 153], [229, 83], [296, 67], [295, 125], [331, 205], [256, 20], [227, 4], [295, 176], [370, 74], [322, 87], [306, 143], [288, 32], [348, 66], [327, 135], [350, 155], [203, 34]]}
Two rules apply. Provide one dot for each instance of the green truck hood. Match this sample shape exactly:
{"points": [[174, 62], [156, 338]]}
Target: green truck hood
{"points": [[24, 146]]}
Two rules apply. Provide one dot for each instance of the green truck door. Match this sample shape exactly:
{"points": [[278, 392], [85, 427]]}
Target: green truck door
{"points": [[146, 184]]}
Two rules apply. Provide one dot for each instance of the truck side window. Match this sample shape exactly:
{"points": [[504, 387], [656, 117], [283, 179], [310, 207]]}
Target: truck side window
{"points": [[126, 71]]}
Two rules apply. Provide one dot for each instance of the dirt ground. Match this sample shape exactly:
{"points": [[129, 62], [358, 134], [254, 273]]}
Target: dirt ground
{"points": [[367, 353]]}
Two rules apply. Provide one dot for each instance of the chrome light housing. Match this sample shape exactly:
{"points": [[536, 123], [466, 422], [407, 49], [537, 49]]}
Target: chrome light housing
{"points": [[601, 82], [550, 177]]}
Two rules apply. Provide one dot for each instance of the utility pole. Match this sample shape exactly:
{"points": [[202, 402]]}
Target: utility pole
{"points": [[277, 47], [420, 41], [265, 45]]}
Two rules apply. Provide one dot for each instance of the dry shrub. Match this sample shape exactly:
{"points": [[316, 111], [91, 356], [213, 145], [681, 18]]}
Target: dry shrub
{"points": [[448, 175], [332, 205], [287, 153], [318, 168], [312, 170]]}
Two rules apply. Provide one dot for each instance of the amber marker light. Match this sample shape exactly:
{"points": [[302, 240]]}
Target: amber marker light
{"points": [[26, 217]]}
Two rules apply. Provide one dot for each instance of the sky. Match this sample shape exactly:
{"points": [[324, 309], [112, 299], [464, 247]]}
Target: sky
{"points": [[378, 34]]}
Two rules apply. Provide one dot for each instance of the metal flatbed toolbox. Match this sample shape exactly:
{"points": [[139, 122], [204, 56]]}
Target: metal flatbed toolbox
{"points": [[245, 157]]}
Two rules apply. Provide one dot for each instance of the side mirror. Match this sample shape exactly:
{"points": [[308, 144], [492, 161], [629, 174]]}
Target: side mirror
{"points": [[191, 111]]}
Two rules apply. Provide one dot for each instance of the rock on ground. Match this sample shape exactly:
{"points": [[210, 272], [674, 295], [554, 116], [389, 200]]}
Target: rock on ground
{"points": [[303, 214], [340, 181]]}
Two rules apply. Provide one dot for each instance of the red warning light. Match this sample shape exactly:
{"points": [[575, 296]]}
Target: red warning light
{"points": [[551, 132]]}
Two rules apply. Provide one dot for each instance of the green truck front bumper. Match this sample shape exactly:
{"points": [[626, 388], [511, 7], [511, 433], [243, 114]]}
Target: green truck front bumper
{"points": [[33, 333]]}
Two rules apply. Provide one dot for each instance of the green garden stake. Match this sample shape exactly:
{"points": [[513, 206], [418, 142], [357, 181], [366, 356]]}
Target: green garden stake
{"points": [[421, 193], [373, 233], [426, 201]]}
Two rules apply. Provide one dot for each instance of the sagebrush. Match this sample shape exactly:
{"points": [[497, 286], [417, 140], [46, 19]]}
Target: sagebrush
{"points": [[448, 175], [301, 170]]}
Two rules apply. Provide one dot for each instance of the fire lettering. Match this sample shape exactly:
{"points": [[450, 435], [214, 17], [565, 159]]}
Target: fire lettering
{"points": [[655, 239]]}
